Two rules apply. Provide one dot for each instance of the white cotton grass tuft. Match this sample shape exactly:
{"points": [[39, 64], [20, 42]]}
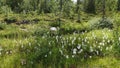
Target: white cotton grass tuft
{"points": [[79, 46], [74, 51], [67, 56], [119, 38]]}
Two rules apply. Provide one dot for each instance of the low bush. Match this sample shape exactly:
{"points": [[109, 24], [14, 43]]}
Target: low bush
{"points": [[98, 23], [2, 26], [105, 23]]}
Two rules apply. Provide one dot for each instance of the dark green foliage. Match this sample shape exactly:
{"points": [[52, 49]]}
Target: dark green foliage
{"points": [[68, 9], [46, 6], [118, 5], [102, 23], [90, 8], [105, 23], [35, 4], [2, 26], [78, 10], [36, 20], [10, 20], [41, 32], [54, 24], [15, 4]]}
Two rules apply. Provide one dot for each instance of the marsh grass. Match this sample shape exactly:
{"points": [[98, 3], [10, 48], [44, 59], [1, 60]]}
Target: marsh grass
{"points": [[78, 45]]}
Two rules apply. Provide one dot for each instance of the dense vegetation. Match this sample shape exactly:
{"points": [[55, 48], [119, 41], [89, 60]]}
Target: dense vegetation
{"points": [[59, 34]]}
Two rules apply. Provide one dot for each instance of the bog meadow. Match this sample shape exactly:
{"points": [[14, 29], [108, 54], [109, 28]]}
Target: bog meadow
{"points": [[59, 33]]}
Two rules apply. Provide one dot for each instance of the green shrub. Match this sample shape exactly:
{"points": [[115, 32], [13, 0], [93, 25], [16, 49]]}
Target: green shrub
{"points": [[2, 26], [97, 23], [5, 10], [55, 24], [105, 23], [41, 32], [116, 36]]}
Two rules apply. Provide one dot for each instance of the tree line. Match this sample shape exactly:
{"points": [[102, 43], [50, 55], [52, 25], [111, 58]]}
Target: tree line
{"points": [[48, 6], [67, 7]]}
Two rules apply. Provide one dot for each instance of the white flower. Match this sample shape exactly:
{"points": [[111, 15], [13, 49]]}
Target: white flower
{"points": [[74, 51], [94, 45], [85, 40], [91, 49], [97, 52], [31, 62], [73, 41], [107, 48], [26, 30], [74, 38], [93, 34], [43, 37], [99, 47], [96, 42], [109, 30], [45, 55], [0, 53], [90, 56], [73, 56], [50, 52], [70, 38], [22, 46], [57, 38], [69, 44], [108, 41], [62, 46], [111, 47], [79, 38], [38, 44], [88, 42], [119, 38], [67, 56], [102, 43], [79, 46], [29, 44], [103, 40], [74, 33], [80, 51], [49, 43], [61, 52], [113, 41], [94, 37]]}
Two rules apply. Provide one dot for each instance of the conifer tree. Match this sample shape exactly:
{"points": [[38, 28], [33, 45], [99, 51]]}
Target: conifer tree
{"points": [[90, 8], [78, 10], [118, 5]]}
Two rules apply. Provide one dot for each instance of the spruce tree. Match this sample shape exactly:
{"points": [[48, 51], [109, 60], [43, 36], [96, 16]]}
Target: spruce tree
{"points": [[90, 8], [103, 10], [118, 5], [78, 10]]}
